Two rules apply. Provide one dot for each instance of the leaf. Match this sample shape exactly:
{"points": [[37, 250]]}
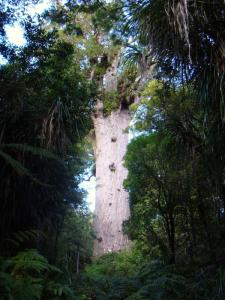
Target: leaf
{"points": [[33, 150], [19, 168]]}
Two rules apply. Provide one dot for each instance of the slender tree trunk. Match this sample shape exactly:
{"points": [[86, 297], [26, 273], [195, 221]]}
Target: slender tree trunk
{"points": [[170, 231], [78, 259], [205, 222], [172, 239]]}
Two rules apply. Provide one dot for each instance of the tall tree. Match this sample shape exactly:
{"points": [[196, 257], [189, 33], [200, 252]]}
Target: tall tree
{"points": [[95, 30]]}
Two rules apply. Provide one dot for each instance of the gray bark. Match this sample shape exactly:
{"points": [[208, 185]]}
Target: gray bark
{"points": [[112, 204]]}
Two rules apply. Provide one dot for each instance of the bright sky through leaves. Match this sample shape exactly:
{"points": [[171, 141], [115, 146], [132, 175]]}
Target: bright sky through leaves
{"points": [[15, 35], [15, 32]]}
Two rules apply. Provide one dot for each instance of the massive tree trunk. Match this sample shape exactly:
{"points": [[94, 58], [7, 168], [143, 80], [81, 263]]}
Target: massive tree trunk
{"points": [[112, 206]]}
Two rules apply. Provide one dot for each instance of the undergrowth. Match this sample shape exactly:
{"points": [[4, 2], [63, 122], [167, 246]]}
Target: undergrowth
{"points": [[130, 276]]}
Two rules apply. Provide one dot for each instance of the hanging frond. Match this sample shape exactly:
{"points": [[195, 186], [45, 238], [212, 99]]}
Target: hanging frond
{"points": [[41, 152]]}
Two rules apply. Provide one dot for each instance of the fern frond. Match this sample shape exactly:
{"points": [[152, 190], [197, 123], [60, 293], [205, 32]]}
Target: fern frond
{"points": [[33, 150], [20, 237], [19, 168], [29, 260]]}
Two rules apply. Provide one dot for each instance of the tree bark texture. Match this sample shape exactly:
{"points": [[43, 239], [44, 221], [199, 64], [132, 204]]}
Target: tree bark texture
{"points": [[112, 204]]}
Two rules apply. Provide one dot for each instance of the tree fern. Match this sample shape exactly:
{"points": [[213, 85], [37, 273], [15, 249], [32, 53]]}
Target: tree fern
{"points": [[27, 261], [29, 276], [20, 237]]}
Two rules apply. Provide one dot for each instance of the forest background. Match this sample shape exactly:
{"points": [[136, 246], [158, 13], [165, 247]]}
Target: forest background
{"points": [[48, 92]]}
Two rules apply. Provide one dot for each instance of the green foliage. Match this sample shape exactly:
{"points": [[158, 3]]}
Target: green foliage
{"points": [[107, 14], [109, 277], [176, 164], [173, 215], [178, 54], [110, 102], [19, 167], [26, 276], [45, 110], [122, 264], [75, 243], [22, 237], [93, 29], [106, 278]]}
